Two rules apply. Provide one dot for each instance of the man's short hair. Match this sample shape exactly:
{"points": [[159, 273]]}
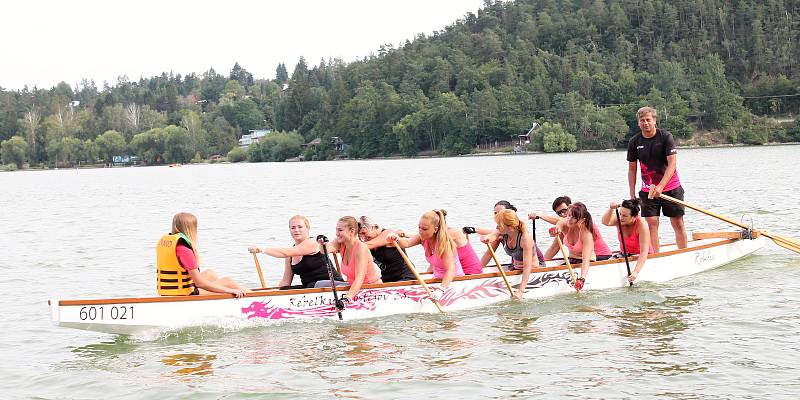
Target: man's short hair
{"points": [[561, 199], [646, 110]]}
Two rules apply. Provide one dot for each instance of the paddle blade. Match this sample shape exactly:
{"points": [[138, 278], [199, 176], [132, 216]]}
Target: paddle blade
{"points": [[788, 246]]}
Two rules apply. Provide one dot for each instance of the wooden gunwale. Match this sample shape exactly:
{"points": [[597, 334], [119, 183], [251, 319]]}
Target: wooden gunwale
{"points": [[269, 293]]}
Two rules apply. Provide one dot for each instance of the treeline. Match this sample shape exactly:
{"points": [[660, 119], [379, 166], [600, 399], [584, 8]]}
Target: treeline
{"points": [[579, 68]]}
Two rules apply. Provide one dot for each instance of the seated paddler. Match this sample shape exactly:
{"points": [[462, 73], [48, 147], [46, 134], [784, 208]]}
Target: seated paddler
{"points": [[303, 259], [178, 263]]}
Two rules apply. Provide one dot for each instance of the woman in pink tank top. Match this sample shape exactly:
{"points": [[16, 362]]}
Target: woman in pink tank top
{"points": [[440, 248], [635, 233], [582, 238], [357, 263]]}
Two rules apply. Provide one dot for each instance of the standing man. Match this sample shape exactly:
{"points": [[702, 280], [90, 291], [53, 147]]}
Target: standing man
{"points": [[654, 148]]}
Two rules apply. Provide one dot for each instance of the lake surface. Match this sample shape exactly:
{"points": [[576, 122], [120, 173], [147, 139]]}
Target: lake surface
{"points": [[733, 332]]}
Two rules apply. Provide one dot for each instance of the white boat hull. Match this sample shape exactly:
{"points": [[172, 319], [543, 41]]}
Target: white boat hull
{"points": [[141, 315]]}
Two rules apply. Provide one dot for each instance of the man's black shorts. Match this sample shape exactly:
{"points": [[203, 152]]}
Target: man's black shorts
{"points": [[653, 208]]}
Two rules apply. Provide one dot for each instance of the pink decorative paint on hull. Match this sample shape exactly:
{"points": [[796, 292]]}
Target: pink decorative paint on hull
{"points": [[367, 300]]}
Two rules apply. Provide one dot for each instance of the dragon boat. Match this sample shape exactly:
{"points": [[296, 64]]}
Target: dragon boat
{"points": [[139, 315]]}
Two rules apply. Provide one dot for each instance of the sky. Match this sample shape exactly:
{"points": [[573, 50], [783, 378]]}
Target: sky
{"points": [[43, 42]]}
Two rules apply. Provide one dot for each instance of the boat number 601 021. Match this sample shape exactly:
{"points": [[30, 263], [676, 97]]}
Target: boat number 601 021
{"points": [[113, 312]]}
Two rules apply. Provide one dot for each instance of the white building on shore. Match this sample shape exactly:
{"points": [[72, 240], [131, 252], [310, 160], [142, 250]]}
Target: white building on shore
{"points": [[254, 136]]}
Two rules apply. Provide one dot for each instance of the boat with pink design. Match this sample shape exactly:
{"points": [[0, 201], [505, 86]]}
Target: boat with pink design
{"points": [[138, 315]]}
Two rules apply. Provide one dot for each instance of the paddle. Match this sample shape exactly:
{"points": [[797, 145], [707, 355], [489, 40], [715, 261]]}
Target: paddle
{"points": [[566, 258], [322, 240], [416, 274], [500, 268], [260, 274], [783, 241], [622, 242]]}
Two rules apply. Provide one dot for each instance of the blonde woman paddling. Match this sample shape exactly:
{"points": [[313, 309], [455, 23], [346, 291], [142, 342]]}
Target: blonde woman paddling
{"points": [[517, 243], [303, 258], [357, 263], [440, 248]]}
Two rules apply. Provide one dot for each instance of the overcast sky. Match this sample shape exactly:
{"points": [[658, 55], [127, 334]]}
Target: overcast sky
{"points": [[45, 42]]}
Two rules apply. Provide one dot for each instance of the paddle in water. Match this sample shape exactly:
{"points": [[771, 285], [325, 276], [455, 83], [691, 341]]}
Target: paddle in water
{"points": [[622, 242], [502, 271], [419, 278], [323, 241]]}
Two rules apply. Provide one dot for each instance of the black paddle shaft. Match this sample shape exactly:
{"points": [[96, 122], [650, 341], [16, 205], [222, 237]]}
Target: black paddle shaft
{"points": [[336, 301], [622, 242]]}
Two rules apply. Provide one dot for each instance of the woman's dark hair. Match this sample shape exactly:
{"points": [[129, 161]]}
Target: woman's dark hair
{"points": [[506, 204], [578, 211], [561, 199], [633, 205]]}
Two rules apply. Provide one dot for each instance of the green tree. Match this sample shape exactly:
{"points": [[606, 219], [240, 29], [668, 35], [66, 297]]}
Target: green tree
{"points": [[14, 151], [243, 113], [281, 74], [557, 139], [221, 137], [717, 97], [89, 152], [193, 125], [64, 151], [177, 145], [240, 74], [110, 144], [283, 146], [237, 154]]}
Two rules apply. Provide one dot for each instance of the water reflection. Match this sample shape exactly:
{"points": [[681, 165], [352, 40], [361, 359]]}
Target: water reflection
{"points": [[104, 355], [517, 328], [660, 321], [652, 329], [190, 364]]}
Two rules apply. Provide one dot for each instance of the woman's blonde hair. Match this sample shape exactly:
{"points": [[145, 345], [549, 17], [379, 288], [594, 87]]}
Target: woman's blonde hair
{"points": [[302, 218], [367, 222], [509, 218], [443, 239], [186, 223], [352, 225]]}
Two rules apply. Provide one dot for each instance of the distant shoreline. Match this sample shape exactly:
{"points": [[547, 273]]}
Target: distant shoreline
{"points": [[427, 156]]}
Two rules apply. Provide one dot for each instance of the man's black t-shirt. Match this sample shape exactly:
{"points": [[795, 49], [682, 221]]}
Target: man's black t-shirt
{"points": [[652, 156]]}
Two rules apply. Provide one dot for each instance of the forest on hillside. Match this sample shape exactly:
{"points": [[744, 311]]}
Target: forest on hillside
{"points": [[579, 68]]}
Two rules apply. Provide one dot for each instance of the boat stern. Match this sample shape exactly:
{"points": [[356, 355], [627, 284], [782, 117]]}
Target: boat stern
{"points": [[55, 315]]}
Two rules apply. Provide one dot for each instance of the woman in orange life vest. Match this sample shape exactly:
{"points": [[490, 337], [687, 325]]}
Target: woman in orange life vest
{"points": [[635, 233], [178, 263], [358, 265]]}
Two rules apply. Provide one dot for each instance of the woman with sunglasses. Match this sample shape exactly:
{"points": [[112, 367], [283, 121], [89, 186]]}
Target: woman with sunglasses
{"points": [[582, 237], [389, 260], [560, 205], [635, 233]]}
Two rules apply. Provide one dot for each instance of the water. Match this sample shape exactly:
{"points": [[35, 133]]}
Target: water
{"points": [[727, 333]]}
